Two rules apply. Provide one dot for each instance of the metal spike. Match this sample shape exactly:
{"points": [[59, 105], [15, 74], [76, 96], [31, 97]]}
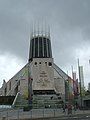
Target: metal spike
{"points": [[34, 30], [38, 29], [45, 28], [42, 29], [31, 31], [48, 31]]}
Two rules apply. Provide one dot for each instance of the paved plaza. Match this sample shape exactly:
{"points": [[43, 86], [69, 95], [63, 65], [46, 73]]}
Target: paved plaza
{"points": [[17, 114]]}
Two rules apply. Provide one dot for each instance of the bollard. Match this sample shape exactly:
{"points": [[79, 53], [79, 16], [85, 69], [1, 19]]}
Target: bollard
{"points": [[18, 115]]}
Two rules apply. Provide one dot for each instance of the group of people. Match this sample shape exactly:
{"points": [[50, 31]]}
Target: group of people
{"points": [[69, 108]]}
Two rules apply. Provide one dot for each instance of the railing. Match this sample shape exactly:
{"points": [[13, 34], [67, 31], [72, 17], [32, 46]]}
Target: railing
{"points": [[15, 99], [17, 114]]}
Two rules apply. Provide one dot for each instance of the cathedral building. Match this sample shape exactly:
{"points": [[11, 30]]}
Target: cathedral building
{"points": [[40, 79]]}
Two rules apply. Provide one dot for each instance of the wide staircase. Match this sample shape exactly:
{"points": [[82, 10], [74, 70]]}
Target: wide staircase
{"points": [[46, 101]]}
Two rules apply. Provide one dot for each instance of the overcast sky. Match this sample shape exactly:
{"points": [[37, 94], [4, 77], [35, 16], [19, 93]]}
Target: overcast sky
{"points": [[69, 22]]}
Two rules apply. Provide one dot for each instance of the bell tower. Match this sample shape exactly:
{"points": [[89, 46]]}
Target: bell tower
{"points": [[40, 59]]}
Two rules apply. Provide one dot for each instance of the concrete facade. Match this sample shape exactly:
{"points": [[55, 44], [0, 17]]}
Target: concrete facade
{"points": [[18, 83], [45, 77], [45, 74]]}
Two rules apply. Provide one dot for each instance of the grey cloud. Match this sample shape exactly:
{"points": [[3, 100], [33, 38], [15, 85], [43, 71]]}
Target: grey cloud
{"points": [[86, 33], [67, 19]]}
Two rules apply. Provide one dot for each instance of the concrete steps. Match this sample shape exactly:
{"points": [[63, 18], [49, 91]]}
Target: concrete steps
{"points": [[20, 101], [46, 101]]}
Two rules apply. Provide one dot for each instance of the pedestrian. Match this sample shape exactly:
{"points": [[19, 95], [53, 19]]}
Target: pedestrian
{"points": [[69, 109], [63, 107]]}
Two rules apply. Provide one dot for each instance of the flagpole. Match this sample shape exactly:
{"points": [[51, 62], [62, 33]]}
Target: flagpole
{"points": [[73, 85], [72, 71], [80, 83]]}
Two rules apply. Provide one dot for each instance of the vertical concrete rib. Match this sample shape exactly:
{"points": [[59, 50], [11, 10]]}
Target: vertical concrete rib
{"points": [[38, 45], [47, 46], [50, 49], [38, 38], [34, 48], [43, 45]]}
